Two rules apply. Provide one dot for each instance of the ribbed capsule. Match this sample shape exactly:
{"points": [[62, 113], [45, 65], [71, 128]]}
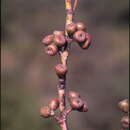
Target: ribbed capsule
{"points": [[87, 43], [48, 40], [45, 112], [84, 108], [81, 26], [125, 122], [73, 94], [79, 36], [51, 49], [76, 103], [60, 40], [61, 69], [56, 32], [71, 29], [54, 104], [124, 105]]}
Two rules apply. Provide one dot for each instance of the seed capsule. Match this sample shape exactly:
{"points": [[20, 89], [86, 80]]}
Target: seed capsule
{"points": [[73, 94], [76, 103], [51, 50], [59, 40], [125, 122], [45, 112], [86, 44], [71, 29], [80, 36], [124, 105], [48, 40], [54, 104], [84, 108], [60, 69], [81, 26], [58, 33]]}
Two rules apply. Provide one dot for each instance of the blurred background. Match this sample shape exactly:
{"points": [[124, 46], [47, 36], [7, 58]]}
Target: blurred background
{"points": [[100, 74]]}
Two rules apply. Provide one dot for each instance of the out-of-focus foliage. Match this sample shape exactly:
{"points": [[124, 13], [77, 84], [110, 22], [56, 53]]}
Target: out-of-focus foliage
{"points": [[99, 74]]}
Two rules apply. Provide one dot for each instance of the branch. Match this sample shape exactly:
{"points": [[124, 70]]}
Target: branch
{"points": [[62, 81], [64, 57], [60, 42]]}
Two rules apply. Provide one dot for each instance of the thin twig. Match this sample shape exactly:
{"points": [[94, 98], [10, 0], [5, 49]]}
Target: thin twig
{"points": [[64, 57], [62, 81], [75, 5]]}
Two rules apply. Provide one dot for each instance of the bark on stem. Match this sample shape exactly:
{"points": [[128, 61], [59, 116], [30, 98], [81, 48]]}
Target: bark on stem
{"points": [[64, 57], [69, 11]]}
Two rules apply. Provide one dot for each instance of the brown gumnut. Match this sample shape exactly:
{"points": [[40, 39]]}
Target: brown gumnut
{"points": [[125, 122], [81, 26], [45, 112], [73, 94], [84, 108], [60, 69], [71, 29], [124, 105], [86, 44], [80, 36], [76, 103], [58, 33], [59, 40], [48, 40], [51, 49], [54, 104]]}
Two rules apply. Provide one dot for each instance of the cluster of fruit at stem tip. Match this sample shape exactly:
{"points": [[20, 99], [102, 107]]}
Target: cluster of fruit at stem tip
{"points": [[124, 107], [58, 41]]}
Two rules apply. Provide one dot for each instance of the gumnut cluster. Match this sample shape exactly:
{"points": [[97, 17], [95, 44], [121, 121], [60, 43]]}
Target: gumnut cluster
{"points": [[74, 32], [75, 101], [48, 111], [77, 32], [58, 43], [54, 42], [124, 107]]}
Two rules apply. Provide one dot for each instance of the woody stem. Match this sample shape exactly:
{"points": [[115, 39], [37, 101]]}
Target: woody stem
{"points": [[64, 58]]}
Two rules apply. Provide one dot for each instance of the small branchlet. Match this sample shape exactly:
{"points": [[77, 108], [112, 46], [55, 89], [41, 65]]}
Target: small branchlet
{"points": [[59, 42]]}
